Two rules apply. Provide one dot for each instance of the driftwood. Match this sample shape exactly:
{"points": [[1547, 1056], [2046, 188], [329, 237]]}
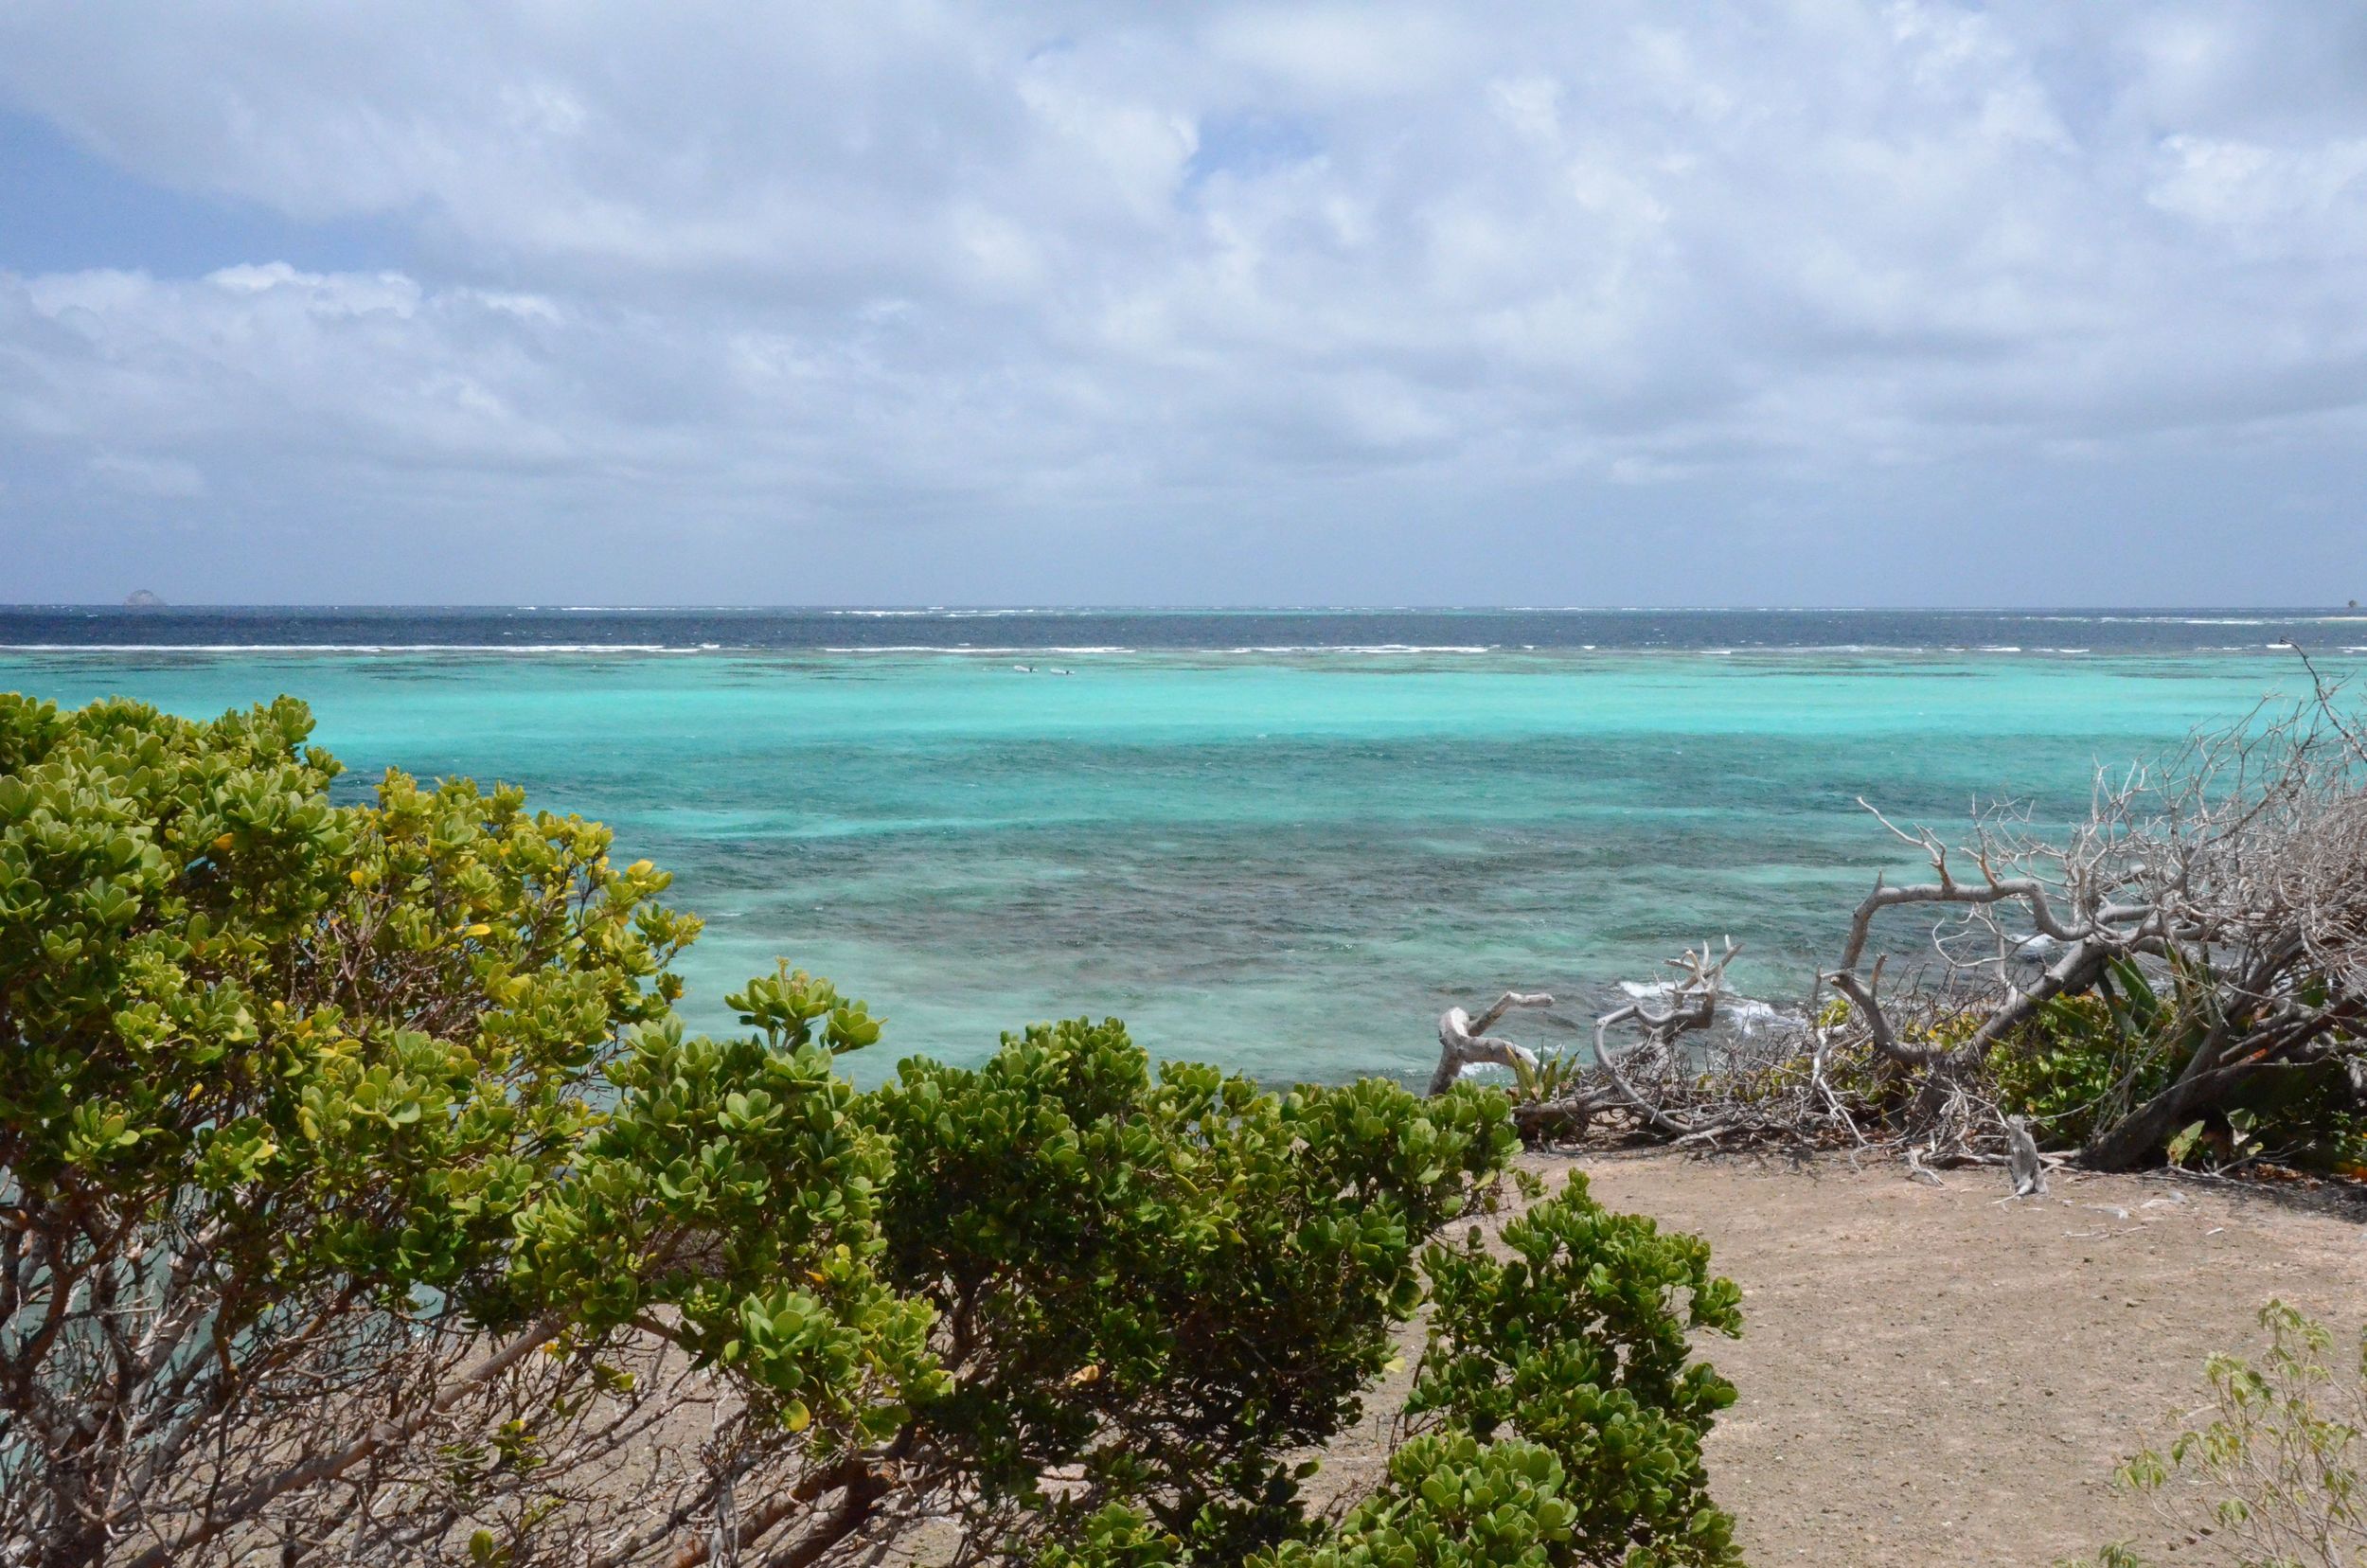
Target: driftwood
{"points": [[1647, 1086], [2237, 871], [2232, 877], [1464, 1041]]}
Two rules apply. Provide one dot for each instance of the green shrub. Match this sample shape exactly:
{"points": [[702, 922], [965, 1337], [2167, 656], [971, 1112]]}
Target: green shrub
{"points": [[361, 1199], [301, 1103], [2066, 1066], [2274, 1475], [1456, 1502], [1581, 1342], [2085, 1058], [1559, 1411], [1169, 1280]]}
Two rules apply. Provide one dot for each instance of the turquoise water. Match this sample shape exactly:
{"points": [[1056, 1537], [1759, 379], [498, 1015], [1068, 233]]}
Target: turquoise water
{"points": [[1289, 863]]}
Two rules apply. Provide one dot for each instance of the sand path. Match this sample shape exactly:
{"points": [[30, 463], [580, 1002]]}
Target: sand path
{"points": [[1933, 1377]]}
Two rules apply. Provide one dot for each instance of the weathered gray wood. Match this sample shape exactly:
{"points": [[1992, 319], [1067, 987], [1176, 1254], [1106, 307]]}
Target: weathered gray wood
{"points": [[1464, 1041]]}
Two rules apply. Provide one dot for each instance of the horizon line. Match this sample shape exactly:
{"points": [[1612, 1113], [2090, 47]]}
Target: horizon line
{"points": [[1121, 608]]}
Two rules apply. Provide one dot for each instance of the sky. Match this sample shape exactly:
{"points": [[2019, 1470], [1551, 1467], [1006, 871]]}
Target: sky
{"points": [[901, 302]]}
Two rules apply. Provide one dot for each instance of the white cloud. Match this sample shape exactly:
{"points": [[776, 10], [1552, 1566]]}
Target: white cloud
{"points": [[1366, 50], [815, 265], [2275, 202], [157, 478]]}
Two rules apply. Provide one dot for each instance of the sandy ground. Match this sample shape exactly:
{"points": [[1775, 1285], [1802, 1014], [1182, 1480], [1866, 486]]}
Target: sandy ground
{"points": [[1935, 1377]]}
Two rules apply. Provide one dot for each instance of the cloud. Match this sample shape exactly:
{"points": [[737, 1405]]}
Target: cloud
{"points": [[802, 273], [158, 478]]}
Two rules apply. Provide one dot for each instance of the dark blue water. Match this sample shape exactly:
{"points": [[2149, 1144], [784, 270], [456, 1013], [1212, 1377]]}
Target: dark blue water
{"points": [[2100, 632]]}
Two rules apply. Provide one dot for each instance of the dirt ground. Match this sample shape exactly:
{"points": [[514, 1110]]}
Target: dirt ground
{"points": [[1937, 1377]]}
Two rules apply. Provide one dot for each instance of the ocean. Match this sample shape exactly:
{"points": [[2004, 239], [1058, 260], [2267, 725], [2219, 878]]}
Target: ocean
{"points": [[1280, 839]]}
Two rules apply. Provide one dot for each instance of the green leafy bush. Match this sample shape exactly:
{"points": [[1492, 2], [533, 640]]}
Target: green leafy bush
{"points": [[2072, 1066], [2274, 1475], [303, 1105], [361, 1200], [1457, 1502], [1581, 1342], [1557, 1415], [1168, 1281], [2085, 1058]]}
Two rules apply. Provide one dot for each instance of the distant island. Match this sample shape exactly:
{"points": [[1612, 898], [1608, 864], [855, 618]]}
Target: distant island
{"points": [[142, 598]]}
